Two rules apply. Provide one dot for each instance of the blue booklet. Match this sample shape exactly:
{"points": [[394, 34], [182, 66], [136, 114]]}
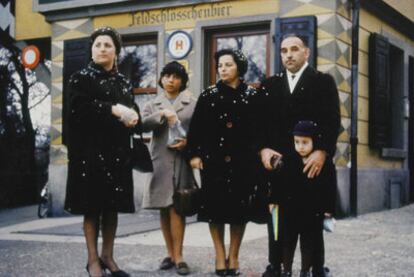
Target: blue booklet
{"points": [[275, 221]]}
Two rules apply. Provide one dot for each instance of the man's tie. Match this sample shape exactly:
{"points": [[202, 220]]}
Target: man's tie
{"points": [[293, 76]]}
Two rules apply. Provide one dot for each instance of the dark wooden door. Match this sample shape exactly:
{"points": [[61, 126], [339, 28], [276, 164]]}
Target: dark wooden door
{"points": [[76, 56]]}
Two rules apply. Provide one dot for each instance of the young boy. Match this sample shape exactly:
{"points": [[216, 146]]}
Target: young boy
{"points": [[304, 202]]}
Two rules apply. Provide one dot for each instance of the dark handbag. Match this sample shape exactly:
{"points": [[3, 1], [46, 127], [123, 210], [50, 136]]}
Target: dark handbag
{"points": [[141, 157], [186, 201]]}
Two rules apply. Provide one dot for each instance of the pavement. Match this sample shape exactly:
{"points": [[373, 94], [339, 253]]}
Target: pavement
{"points": [[375, 244]]}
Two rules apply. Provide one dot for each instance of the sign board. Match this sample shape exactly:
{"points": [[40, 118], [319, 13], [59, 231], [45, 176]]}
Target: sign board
{"points": [[179, 44], [30, 56]]}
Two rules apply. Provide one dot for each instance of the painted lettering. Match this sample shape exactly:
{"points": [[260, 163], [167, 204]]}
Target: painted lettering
{"points": [[173, 14]]}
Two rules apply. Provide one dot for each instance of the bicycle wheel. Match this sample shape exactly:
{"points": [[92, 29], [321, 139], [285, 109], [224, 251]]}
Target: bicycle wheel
{"points": [[43, 208]]}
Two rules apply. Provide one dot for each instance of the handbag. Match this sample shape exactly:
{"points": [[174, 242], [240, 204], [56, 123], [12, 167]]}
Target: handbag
{"points": [[141, 157], [186, 201]]}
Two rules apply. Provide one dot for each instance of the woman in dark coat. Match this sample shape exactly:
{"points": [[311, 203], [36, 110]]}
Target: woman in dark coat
{"points": [[102, 118], [220, 143]]}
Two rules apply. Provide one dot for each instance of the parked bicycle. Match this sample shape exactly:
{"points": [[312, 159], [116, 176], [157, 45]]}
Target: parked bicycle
{"points": [[44, 208]]}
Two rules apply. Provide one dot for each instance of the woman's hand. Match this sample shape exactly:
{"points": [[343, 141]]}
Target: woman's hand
{"points": [[171, 116], [132, 123], [129, 117], [181, 143], [116, 111], [196, 163]]}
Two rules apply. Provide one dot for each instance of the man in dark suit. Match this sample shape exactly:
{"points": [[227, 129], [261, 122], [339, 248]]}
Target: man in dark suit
{"points": [[298, 93]]}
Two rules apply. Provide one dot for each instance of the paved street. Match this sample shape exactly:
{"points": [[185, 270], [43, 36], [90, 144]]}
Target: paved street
{"points": [[376, 244]]}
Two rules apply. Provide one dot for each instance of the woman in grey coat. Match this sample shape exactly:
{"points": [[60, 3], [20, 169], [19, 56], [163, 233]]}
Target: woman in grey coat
{"points": [[170, 109]]}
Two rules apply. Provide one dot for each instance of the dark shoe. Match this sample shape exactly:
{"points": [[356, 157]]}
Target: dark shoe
{"points": [[305, 274], [321, 272], [286, 274], [271, 271], [221, 272], [87, 270], [233, 272], [327, 272], [182, 268], [118, 273], [167, 263]]}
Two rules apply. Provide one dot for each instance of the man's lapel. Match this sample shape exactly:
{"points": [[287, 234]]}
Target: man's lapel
{"points": [[304, 80], [285, 83]]}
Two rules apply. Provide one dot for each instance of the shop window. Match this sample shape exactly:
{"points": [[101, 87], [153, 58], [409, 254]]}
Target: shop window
{"points": [[138, 62], [254, 42], [386, 97]]}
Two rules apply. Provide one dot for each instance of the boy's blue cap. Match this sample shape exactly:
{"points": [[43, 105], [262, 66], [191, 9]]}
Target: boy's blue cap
{"points": [[305, 128]]}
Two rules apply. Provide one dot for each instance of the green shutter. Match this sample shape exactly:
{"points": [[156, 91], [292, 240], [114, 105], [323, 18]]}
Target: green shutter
{"points": [[379, 92]]}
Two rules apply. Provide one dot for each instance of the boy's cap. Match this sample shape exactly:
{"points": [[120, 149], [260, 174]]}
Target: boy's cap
{"points": [[305, 128]]}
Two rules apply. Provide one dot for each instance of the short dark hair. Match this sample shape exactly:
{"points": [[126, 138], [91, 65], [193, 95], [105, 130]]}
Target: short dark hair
{"points": [[177, 69], [304, 39], [107, 31], [238, 56]]}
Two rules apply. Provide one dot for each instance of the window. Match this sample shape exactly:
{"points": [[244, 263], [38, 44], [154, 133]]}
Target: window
{"points": [[138, 62], [254, 42], [386, 97]]}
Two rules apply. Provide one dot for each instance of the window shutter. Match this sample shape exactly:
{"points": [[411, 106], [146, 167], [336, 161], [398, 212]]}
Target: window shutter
{"points": [[305, 27], [379, 92], [76, 57]]}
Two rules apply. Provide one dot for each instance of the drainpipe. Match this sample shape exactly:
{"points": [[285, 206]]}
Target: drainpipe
{"points": [[354, 109]]}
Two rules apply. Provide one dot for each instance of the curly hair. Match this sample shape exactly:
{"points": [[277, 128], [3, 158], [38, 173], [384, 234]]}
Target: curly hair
{"points": [[108, 31], [238, 57]]}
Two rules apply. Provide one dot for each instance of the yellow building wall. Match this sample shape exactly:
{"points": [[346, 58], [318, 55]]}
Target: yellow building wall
{"points": [[184, 17], [29, 24], [370, 24], [187, 16], [406, 7]]}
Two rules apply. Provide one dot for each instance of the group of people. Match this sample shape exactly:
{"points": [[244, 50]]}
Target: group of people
{"points": [[234, 134]]}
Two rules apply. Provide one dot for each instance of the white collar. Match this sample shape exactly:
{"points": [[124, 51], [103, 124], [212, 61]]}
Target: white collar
{"points": [[298, 73]]}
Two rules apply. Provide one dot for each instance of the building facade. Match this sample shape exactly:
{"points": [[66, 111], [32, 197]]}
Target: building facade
{"points": [[156, 32]]}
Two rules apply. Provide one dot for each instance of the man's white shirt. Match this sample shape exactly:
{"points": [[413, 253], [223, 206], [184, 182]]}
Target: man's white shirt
{"points": [[294, 80]]}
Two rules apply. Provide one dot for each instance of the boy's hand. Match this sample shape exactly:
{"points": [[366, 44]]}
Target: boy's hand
{"points": [[196, 163], [271, 207]]}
